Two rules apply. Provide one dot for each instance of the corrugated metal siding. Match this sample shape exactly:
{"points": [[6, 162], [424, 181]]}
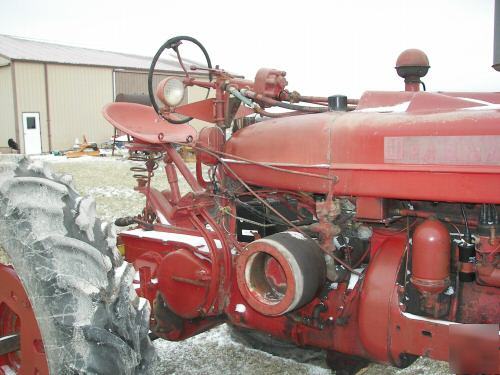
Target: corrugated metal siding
{"points": [[4, 61], [30, 50], [136, 83], [77, 95], [7, 115], [30, 91]]}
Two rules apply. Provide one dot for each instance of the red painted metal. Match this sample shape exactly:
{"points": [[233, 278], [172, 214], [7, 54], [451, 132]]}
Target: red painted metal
{"points": [[427, 214], [17, 316], [334, 329], [202, 110], [256, 286], [184, 278], [412, 57], [431, 257], [142, 123], [412, 64], [480, 306], [365, 184], [488, 260], [270, 82], [280, 273], [377, 295], [371, 208], [379, 170], [205, 110], [388, 332], [213, 139]]}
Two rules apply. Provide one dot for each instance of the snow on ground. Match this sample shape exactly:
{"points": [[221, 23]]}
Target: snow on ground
{"points": [[110, 182], [215, 352], [4, 259]]}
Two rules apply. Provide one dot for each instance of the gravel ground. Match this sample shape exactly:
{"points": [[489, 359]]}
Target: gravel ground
{"points": [[110, 182]]}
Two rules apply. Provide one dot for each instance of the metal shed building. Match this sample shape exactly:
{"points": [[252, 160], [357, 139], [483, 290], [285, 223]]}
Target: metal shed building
{"points": [[51, 94]]}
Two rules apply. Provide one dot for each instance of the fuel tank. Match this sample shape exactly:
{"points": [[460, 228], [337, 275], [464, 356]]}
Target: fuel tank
{"points": [[404, 145]]}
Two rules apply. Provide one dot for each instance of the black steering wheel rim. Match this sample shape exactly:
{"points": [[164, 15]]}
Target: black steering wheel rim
{"points": [[167, 45]]}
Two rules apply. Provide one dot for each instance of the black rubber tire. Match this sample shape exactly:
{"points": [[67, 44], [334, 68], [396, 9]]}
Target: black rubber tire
{"points": [[280, 348], [81, 291]]}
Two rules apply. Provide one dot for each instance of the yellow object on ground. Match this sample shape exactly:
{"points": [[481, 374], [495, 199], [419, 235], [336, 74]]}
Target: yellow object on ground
{"points": [[84, 149], [121, 249], [187, 154]]}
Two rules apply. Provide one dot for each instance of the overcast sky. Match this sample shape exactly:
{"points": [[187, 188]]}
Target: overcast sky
{"points": [[326, 47]]}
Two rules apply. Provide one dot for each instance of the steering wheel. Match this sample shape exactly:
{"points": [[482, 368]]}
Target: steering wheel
{"points": [[173, 43]]}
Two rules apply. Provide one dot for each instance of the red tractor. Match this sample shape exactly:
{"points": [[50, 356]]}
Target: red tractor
{"points": [[368, 228]]}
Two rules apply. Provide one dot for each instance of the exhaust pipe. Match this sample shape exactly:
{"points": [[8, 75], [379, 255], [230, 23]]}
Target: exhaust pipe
{"points": [[496, 43]]}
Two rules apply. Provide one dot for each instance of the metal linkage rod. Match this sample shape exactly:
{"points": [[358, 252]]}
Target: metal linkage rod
{"points": [[10, 343]]}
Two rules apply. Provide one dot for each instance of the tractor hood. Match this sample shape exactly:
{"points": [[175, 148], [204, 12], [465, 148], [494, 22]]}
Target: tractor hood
{"points": [[386, 147]]}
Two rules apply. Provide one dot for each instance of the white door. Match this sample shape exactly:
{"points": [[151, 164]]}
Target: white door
{"points": [[32, 135]]}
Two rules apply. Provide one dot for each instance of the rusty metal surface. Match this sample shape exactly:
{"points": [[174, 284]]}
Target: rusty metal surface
{"points": [[488, 260], [480, 304]]}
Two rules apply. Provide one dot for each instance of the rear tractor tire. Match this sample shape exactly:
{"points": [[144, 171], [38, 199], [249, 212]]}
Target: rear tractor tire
{"points": [[78, 287]]}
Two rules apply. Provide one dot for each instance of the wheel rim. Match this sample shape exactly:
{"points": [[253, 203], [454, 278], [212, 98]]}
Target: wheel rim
{"points": [[9, 326], [17, 318]]}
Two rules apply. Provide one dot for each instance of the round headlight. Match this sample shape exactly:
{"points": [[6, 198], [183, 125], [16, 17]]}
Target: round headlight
{"points": [[171, 91]]}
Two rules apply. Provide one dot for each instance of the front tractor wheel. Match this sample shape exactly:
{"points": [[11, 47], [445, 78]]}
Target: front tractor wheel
{"points": [[18, 320], [67, 302]]}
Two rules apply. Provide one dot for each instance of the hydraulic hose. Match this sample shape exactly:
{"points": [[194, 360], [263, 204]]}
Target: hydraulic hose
{"points": [[277, 103]]}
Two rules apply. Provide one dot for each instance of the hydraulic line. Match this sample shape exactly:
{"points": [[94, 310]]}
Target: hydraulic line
{"points": [[265, 113], [322, 99], [265, 165], [277, 103], [257, 108], [467, 232], [241, 97]]}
